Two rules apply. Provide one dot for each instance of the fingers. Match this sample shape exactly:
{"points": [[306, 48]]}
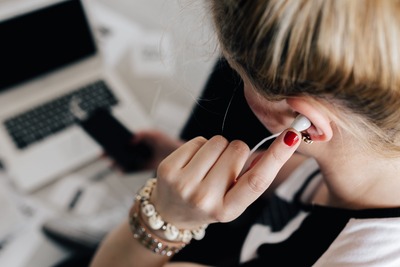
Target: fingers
{"points": [[181, 156], [194, 159], [258, 178], [204, 160], [198, 177], [145, 136], [227, 168]]}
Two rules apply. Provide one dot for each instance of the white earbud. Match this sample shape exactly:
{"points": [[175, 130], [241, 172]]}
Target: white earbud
{"points": [[301, 123]]}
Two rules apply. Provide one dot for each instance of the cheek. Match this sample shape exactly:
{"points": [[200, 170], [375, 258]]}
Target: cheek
{"points": [[275, 116], [260, 106], [255, 103]]}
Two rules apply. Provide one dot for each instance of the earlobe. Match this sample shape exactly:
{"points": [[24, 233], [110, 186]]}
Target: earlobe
{"points": [[321, 129]]}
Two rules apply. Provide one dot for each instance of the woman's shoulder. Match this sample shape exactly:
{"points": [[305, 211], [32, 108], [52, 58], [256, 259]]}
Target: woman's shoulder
{"points": [[371, 241]]}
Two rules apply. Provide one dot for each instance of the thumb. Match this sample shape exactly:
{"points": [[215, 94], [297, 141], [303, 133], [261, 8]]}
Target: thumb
{"points": [[259, 177]]}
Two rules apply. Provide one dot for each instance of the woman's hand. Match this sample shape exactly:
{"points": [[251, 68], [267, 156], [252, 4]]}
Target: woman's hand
{"points": [[203, 182]]}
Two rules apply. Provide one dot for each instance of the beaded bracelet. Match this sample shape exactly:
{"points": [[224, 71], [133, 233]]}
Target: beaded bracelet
{"points": [[171, 232], [150, 241]]}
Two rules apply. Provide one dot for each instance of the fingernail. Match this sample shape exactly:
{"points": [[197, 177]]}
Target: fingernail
{"points": [[291, 138]]}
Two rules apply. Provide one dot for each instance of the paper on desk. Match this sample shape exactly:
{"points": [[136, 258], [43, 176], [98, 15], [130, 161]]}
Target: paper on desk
{"points": [[12, 218], [151, 55], [150, 52], [75, 194], [20, 225]]}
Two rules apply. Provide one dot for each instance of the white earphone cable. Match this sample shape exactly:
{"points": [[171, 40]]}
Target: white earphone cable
{"points": [[263, 141]]}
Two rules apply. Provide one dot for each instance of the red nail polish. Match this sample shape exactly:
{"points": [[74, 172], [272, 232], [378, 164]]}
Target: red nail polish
{"points": [[291, 138]]}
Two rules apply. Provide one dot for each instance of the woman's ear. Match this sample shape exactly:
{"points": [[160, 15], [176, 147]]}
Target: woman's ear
{"points": [[321, 129]]}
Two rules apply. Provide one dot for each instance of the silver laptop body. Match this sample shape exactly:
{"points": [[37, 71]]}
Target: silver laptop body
{"points": [[49, 54]]}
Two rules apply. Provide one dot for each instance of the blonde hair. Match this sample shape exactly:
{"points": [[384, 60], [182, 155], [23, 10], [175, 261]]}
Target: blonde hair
{"points": [[346, 51]]}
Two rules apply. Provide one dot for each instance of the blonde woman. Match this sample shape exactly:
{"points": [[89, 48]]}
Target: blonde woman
{"points": [[336, 62]]}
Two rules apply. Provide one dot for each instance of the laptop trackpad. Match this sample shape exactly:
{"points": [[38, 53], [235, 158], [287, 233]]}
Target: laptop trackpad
{"points": [[59, 154]]}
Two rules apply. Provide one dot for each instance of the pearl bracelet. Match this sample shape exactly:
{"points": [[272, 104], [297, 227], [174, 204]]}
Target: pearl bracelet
{"points": [[155, 222], [148, 240]]}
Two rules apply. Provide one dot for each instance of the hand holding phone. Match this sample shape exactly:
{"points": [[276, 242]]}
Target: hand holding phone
{"points": [[115, 139]]}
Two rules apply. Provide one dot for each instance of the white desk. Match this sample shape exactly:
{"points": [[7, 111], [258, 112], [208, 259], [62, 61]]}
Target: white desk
{"points": [[29, 246], [192, 44], [32, 248]]}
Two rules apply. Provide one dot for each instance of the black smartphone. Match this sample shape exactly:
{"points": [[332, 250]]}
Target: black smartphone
{"points": [[116, 140]]}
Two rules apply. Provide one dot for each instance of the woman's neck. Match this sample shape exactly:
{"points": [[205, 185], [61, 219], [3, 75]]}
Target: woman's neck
{"points": [[358, 181]]}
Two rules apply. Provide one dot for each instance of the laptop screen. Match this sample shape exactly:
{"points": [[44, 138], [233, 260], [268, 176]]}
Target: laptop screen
{"points": [[42, 41]]}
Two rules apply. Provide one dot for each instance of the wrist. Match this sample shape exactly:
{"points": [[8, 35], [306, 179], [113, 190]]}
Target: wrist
{"points": [[149, 238], [152, 231], [154, 221]]}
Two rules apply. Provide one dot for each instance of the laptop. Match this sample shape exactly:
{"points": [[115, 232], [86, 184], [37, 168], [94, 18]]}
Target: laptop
{"points": [[49, 55]]}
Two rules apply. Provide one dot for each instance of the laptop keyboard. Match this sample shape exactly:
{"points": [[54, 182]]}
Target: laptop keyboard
{"points": [[42, 121]]}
